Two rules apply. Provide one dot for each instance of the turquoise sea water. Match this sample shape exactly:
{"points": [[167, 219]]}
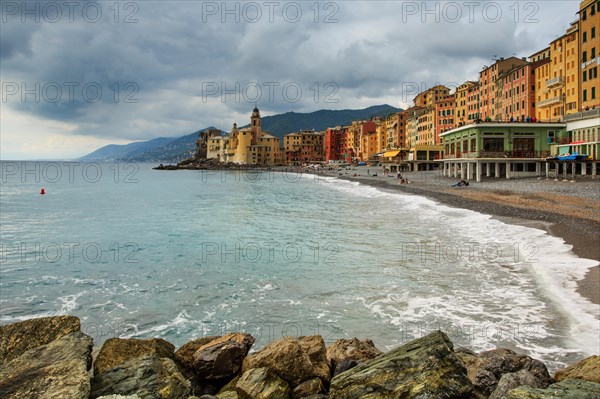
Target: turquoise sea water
{"points": [[135, 252]]}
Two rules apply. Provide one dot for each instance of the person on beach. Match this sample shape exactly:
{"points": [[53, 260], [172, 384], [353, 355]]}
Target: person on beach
{"points": [[461, 183]]}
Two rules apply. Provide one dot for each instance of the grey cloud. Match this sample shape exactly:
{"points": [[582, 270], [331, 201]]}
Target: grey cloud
{"points": [[173, 48]]}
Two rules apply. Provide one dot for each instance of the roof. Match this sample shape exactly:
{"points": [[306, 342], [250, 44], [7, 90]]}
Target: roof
{"points": [[505, 124]]}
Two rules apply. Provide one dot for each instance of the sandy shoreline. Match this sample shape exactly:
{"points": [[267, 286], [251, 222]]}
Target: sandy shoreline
{"points": [[567, 210]]}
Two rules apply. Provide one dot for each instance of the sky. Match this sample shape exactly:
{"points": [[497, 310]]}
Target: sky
{"points": [[77, 75]]}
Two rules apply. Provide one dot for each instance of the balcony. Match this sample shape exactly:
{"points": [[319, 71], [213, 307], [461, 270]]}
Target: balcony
{"points": [[522, 154], [559, 81], [551, 101], [591, 113]]}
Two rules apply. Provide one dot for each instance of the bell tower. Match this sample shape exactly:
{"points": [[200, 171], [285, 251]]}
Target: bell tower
{"points": [[255, 125]]}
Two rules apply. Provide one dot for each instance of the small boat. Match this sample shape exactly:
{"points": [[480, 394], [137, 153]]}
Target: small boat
{"points": [[572, 157]]}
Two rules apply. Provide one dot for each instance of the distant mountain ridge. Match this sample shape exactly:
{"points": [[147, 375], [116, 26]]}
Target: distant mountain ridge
{"points": [[174, 149]]}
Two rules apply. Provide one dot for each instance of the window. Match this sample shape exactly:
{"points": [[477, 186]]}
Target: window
{"points": [[593, 33], [584, 37], [585, 95], [593, 93], [585, 56], [585, 76], [593, 53]]}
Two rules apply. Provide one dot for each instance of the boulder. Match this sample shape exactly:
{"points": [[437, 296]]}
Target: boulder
{"points": [[149, 377], [53, 371], [185, 355], [514, 380], [314, 347], [262, 383], [351, 349], [587, 369], [423, 368], [17, 338], [222, 358], [289, 358], [308, 388], [116, 351], [486, 368], [566, 389]]}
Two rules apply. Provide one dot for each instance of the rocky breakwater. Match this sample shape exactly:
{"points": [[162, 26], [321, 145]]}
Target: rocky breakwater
{"points": [[207, 164], [51, 358]]}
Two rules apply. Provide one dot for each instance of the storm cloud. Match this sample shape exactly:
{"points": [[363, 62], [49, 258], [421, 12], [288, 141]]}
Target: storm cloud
{"points": [[100, 72]]}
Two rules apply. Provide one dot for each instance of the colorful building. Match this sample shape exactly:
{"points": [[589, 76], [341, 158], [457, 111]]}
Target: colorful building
{"points": [[463, 113], [518, 93], [335, 143], [583, 134], [444, 115], [497, 149], [247, 146], [304, 147], [356, 131], [488, 88], [557, 82], [589, 26]]}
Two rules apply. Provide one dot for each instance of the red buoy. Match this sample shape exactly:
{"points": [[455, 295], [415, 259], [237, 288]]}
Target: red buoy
{"points": [[43, 192]]}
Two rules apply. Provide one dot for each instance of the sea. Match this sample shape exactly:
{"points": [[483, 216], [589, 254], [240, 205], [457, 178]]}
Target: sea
{"points": [[139, 253]]}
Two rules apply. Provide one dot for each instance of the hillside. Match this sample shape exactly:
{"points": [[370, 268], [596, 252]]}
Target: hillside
{"points": [[115, 152]]}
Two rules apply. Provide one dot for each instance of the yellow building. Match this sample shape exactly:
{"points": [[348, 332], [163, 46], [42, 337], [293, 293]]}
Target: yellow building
{"points": [[247, 146], [557, 82], [589, 26], [428, 98], [462, 113]]}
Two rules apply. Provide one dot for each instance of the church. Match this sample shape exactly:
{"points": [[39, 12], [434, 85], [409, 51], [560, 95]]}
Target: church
{"points": [[247, 146]]}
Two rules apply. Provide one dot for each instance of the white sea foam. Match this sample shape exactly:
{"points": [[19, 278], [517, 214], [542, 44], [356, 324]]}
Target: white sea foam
{"points": [[538, 263]]}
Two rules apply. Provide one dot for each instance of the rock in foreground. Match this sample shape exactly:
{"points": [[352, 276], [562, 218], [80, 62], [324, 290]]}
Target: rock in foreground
{"points": [[57, 370], [150, 377], [567, 389], [487, 368], [587, 369], [293, 359], [426, 368], [116, 351], [17, 338], [222, 358]]}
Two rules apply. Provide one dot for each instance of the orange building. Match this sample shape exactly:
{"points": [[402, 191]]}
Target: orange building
{"points": [[589, 26], [489, 94], [335, 143], [518, 93], [444, 114]]}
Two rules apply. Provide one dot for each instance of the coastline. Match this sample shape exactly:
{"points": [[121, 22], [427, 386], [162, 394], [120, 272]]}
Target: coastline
{"points": [[578, 227]]}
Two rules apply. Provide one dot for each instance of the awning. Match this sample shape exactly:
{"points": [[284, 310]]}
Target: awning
{"points": [[391, 154]]}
